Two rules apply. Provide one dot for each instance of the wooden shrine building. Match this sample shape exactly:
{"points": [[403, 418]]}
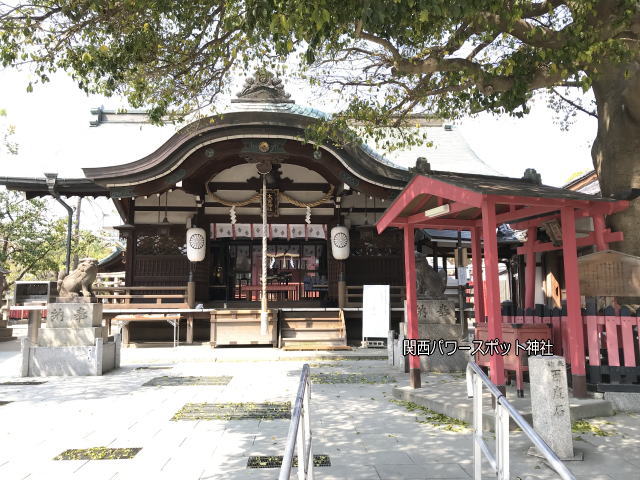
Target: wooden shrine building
{"points": [[210, 175]]}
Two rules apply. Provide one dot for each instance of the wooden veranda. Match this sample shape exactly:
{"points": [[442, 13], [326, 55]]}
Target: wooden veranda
{"points": [[479, 204]]}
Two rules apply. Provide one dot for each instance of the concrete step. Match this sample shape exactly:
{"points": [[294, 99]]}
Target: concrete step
{"points": [[451, 399]]}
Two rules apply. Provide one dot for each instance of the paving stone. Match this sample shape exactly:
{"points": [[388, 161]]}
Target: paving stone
{"points": [[351, 423], [426, 471], [377, 458], [365, 472]]}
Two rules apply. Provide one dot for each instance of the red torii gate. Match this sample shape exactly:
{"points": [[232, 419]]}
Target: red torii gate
{"points": [[479, 203]]}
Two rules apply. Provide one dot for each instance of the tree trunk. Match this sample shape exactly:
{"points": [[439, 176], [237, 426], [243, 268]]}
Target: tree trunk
{"points": [[616, 149]]}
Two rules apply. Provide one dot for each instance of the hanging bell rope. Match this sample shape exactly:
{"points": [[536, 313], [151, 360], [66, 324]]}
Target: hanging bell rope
{"points": [[263, 304]]}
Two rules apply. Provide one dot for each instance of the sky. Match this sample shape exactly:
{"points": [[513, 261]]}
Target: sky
{"points": [[53, 134]]}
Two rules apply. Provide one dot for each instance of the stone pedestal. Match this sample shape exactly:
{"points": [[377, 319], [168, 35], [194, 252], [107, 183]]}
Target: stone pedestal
{"points": [[437, 324], [74, 342], [550, 405], [398, 359]]}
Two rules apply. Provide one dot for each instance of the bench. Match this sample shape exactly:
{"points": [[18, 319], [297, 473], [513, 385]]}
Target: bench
{"points": [[138, 304], [173, 319]]}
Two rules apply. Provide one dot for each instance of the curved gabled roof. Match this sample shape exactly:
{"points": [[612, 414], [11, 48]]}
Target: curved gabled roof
{"points": [[270, 122]]}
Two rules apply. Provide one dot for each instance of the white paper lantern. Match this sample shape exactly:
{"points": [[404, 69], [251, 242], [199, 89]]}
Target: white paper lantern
{"points": [[196, 244], [340, 242]]}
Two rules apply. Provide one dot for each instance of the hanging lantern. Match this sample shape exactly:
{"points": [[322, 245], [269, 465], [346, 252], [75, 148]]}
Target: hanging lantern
{"points": [[196, 244], [340, 242]]}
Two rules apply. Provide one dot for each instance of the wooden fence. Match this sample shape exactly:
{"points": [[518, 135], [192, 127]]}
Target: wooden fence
{"points": [[611, 339]]}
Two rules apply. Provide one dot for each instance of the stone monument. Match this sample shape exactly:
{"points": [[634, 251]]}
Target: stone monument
{"points": [[74, 342], [550, 405], [437, 322]]}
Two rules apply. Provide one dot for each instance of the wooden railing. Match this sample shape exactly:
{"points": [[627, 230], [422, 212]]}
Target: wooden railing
{"points": [[142, 297], [397, 295], [111, 279]]}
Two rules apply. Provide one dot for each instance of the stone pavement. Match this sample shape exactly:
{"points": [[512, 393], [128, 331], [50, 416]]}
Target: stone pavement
{"points": [[447, 394], [365, 433]]}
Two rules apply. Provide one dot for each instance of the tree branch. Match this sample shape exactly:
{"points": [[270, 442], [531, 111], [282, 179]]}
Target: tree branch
{"points": [[537, 36], [383, 42], [537, 9], [574, 104]]}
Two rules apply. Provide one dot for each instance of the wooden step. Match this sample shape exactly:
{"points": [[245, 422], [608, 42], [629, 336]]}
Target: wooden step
{"points": [[312, 318], [315, 329], [311, 324], [312, 334], [311, 313], [6, 332], [328, 341], [313, 347]]}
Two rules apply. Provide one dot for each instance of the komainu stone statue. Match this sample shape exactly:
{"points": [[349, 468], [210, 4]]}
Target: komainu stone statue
{"points": [[430, 284], [80, 280]]}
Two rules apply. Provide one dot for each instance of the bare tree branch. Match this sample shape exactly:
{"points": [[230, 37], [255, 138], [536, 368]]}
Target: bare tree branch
{"points": [[575, 105]]}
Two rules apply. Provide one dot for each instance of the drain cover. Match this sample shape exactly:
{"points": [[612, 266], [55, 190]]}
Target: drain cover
{"points": [[234, 411], [328, 378], [26, 382], [275, 461], [98, 453], [182, 381]]}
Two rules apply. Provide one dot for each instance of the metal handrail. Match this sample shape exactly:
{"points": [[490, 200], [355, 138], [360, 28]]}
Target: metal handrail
{"points": [[299, 433], [503, 410]]}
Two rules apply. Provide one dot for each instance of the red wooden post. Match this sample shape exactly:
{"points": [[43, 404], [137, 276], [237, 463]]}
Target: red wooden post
{"points": [[478, 283], [599, 227], [574, 315], [530, 269], [412, 307], [496, 362]]}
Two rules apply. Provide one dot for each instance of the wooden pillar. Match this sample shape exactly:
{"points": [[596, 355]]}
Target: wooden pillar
{"points": [[478, 283], [574, 315], [530, 269], [412, 307], [599, 227], [191, 293], [213, 331], [496, 362], [125, 334], [189, 329]]}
